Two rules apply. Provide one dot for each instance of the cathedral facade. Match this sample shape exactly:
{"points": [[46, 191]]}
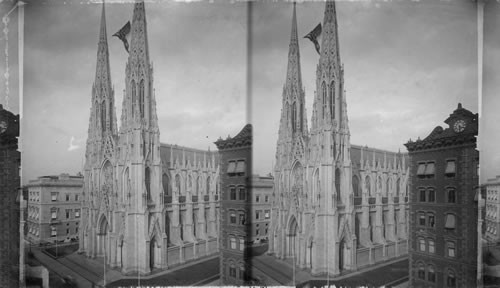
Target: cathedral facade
{"points": [[146, 205], [336, 207]]}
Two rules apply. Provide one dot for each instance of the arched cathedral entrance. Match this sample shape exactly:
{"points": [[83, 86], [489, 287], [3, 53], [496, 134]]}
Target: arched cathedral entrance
{"points": [[103, 237], [292, 238]]}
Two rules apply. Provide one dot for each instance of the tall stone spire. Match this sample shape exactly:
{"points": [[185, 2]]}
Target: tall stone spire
{"points": [[103, 116], [139, 105], [329, 103], [293, 119]]}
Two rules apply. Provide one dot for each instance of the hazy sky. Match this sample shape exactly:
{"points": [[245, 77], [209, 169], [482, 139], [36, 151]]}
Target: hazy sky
{"points": [[490, 129], [199, 60], [407, 65]]}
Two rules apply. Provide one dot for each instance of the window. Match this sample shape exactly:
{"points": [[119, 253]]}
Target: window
{"points": [[431, 246], [242, 193], [242, 244], [257, 232], [450, 249], [232, 218], [232, 243], [421, 219], [231, 168], [430, 220], [53, 196], [431, 195], [257, 214], [421, 193], [242, 273], [451, 280], [240, 168], [257, 198], [421, 271], [452, 197], [77, 214], [450, 168], [450, 222], [76, 197], [53, 213], [53, 231], [266, 199], [67, 197], [242, 219], [421, 244], [431, 273], [232, 193], [267, 214], [67, 213], [232, 271], [76, 230], [67, 231], [426, 170]]}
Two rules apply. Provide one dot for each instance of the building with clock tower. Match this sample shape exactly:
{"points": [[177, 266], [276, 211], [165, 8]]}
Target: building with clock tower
{"points": [[10, 182], [443, 204], [336, 207]]}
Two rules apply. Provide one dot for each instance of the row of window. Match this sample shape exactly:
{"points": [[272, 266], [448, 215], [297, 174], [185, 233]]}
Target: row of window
{"points": [[237, 273], [429, 195], [492, 195], [236, 168], [491, 228], [53, 212], [257, 198], [258, 214], [427, 219], [428, 273], [236, 244], [491, 211], [55, 194], [428, 245], [237, 218], [53, 231], [428, 169], [241, 193]]}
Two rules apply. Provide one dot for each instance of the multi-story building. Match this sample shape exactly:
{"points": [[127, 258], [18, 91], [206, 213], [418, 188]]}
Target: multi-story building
{"points": [[336, 207], [10, 160], [443, 209], [235, 222], [261, 193], [54, 208], [492, 210], [146, 205]]}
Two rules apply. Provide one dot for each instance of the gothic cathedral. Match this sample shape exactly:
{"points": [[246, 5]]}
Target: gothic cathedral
{"points": [[336, 207], [146, 205]]}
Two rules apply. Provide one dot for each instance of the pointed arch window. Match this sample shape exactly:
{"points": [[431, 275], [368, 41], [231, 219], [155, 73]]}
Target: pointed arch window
{"points": [[148, 183], [337, 185], [323, 89], [208, 186], [332, 99], [103, 116], [294, 116], [178, 184], [367, 185], [355, 186], [301, 124], [166, 184], [141, 97], [132, 84]]}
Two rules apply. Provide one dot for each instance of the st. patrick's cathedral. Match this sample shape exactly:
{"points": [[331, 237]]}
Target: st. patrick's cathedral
{"points": [[336, 207], [146, 205]]}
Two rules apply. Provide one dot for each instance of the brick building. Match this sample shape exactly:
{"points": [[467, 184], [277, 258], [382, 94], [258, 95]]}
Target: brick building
{"points": [[54, 208], [443, 209], [10, 160], [262, 191], [492, 210], [235, 167]]}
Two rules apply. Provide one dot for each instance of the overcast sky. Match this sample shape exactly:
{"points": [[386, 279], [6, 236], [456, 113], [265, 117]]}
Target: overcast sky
{"points": [[407, 66], [199, 59], [490, 128]]}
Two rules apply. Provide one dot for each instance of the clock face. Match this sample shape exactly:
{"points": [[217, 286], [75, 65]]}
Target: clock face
{"points": [[459, 126], [3, 126]]}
